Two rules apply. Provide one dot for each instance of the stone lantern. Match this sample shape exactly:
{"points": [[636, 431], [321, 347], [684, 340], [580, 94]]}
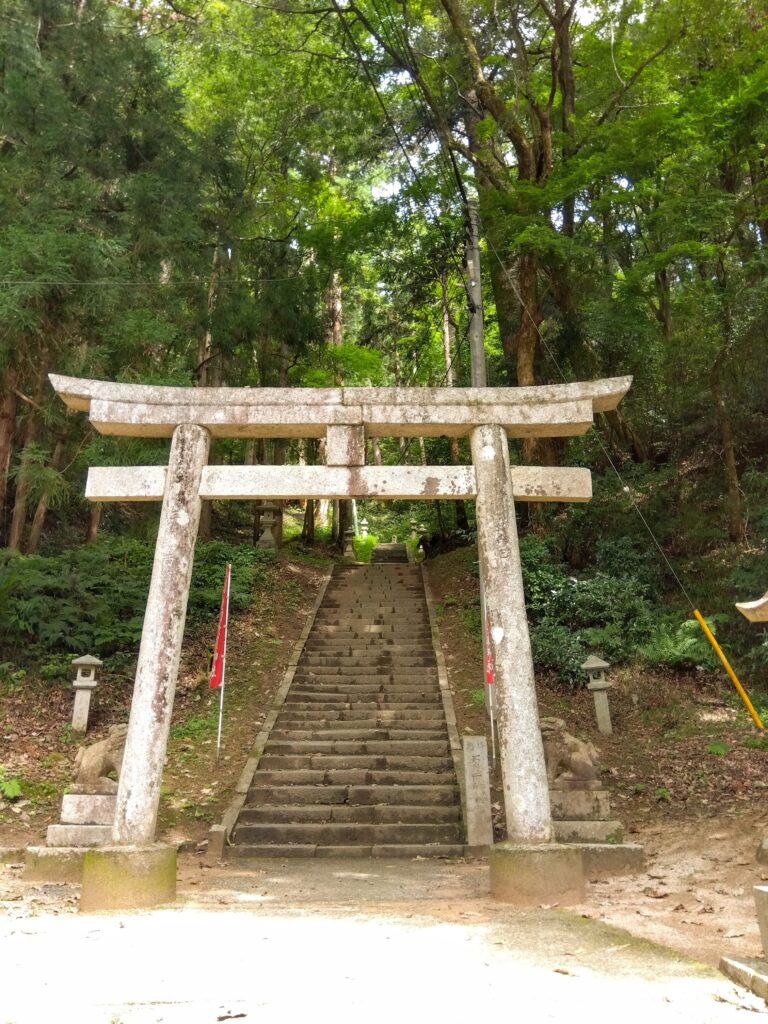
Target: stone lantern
{"points": [[414, 530], [349, 548], [267, 538], [595, 668], [364, 527], [84, 685]]}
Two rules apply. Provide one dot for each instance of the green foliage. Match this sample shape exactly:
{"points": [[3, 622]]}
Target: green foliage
{"points": [[678, 645], [755, 743], [10, 788], [718, 748], [364, 547], [572, 616], [92, 598], [198, 727]]}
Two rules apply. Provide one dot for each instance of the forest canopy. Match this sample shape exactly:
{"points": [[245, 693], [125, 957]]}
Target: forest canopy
{"points": [[276, 194]]}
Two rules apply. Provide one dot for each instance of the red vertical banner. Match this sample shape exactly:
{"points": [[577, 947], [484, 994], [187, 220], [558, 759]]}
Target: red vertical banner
{"points": [[488, 656], [219, 653]]}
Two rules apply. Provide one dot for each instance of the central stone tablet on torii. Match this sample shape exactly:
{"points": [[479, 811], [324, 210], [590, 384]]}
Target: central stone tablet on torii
{"points": [[346, 417]]}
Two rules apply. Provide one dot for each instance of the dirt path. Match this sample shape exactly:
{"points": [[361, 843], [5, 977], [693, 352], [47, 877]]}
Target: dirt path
{"points": [[342, 941]]}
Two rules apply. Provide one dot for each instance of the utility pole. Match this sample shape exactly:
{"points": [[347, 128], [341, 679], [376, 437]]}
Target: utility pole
{"points": [[475, 298]]}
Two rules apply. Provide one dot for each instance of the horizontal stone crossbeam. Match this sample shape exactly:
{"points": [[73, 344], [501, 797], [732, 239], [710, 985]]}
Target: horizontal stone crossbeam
{"points": [[529, 483], [143, 410]]}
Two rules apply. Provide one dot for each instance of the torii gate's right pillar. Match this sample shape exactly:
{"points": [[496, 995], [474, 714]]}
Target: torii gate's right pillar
{"points": [[524, 774], [528, 868]]}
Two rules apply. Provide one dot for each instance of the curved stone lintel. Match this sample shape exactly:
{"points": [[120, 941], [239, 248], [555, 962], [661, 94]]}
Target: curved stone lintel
{"points": [[755, 611], [153, 410]]}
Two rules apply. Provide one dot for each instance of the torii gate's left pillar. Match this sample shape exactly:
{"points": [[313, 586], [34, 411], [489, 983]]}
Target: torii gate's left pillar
{"points": [[138, 792]]}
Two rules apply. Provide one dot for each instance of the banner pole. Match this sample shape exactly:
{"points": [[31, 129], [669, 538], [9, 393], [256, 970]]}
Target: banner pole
{"points": [[223, 662]]}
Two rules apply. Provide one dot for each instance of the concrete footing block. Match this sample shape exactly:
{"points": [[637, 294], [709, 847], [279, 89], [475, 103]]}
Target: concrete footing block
{"points": [[749, 972], [760, 892], [54, 864], [603, 860], [12, 854], [529, 875], [128, 877]]}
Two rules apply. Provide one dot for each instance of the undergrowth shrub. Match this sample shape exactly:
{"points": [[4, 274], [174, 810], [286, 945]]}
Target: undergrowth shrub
{"points": [[364, 547], [92, 598], [676, 644]]}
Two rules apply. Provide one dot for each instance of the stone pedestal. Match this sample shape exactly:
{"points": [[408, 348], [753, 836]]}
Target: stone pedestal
{"points": [[477, 792], [86, 820], [128, 878], [82, 706], [602, 711], [531, 875]]}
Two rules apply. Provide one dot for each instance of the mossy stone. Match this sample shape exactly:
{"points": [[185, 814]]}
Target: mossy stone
{"points": [[128, 877]]}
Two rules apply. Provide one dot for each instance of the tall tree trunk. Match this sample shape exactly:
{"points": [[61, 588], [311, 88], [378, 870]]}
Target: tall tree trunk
{"points": [[449, 339], [19, 517], [736, 524], [205, 374], [733, 504], [94, 519], [334, 324], [38, 520], [8, 406], [308, 526]]}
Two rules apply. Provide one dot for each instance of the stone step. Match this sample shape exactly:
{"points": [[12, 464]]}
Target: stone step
{"points": [[323, 705], [358, 762], [350, 684], [321, 671], [254, 851], [371, 647], [346, 833], [433, 748], [362, 718], [355, 729], [349, 777], [347, 695], [371, 762], [284, 795], [382, 814], [312, 661], [360, 728]]}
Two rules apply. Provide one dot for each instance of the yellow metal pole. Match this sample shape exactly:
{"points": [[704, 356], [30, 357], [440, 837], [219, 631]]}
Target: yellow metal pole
{"points": [[727, 666]]}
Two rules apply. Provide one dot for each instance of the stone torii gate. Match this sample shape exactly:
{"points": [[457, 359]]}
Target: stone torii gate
{"points": [[346, 417]]}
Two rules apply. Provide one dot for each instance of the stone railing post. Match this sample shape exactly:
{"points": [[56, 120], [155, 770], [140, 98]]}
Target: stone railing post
{"points": [[138, 792], [524, 774]]}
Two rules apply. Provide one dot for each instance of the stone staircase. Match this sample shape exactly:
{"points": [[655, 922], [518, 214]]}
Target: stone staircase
{"points": [[389, 553], [358, 762]]}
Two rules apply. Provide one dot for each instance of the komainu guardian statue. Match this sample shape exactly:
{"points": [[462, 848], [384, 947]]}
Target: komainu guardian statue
{"points": [[572, 763], [94, 763]]}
